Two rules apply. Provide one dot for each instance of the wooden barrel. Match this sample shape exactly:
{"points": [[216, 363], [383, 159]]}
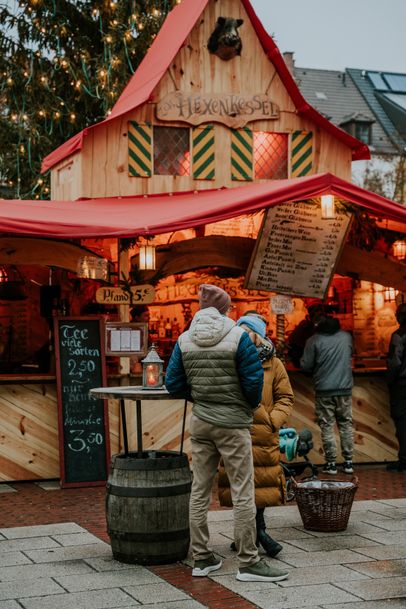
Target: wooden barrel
{"points": [[147, 507]]}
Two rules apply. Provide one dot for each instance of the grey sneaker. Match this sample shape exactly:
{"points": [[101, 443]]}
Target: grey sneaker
{"points": [[203, 567], [330, 468], [348, 467], [261, 572]]}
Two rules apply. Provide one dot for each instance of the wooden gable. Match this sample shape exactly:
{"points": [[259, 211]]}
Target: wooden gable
{"points": [[199, 90]]}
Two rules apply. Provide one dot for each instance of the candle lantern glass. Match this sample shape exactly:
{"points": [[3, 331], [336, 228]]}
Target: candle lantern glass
{"points": [[152, 370]]}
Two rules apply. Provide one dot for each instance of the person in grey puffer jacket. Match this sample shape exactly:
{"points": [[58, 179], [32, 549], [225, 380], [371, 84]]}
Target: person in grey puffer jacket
{"points": [[328, 354], [216, 366]]}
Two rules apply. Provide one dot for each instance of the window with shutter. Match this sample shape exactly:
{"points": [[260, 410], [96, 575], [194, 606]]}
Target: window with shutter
{"points": [[302, 153], [139, 149], [203, 167], [270, 155], [242, 157]]}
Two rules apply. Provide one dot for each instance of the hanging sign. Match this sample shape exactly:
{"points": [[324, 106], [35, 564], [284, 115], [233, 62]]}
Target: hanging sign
{"points": [[297, 250], [139, 294], [234, 110], [281, 304]]}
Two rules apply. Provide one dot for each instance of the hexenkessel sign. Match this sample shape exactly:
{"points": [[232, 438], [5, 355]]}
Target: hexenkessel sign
{"points": [[234, 110]]}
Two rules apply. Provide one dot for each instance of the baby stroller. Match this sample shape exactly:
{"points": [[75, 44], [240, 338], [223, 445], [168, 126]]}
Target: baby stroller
{"points": [[292, 445]]}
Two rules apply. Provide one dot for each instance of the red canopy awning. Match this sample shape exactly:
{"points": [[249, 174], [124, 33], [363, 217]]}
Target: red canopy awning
{"points": [[163, 213]]}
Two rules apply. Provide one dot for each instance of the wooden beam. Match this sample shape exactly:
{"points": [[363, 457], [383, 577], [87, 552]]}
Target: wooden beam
{"points": [[372, 266], [42, 252]]}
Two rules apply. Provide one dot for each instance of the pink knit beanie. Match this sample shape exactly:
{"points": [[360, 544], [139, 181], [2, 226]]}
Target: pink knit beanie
{"points": [[212, 296]]}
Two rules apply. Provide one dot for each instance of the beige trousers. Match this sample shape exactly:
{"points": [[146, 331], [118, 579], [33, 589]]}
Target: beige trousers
{"points": [[209, 443]]}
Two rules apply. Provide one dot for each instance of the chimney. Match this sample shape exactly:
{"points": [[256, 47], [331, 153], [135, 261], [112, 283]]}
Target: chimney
{"points": [[288, 56]]}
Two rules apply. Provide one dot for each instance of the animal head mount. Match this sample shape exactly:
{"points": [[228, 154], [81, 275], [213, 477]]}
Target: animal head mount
{"points": [[225, 41]]}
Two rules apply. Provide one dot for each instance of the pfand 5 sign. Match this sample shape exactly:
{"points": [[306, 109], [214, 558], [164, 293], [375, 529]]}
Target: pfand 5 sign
{"points": [[139, 294], [233, 110]]}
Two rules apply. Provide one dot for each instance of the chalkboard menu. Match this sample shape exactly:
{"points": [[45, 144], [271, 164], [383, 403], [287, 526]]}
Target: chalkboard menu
{"points": [[83, 419], [297, 250]]}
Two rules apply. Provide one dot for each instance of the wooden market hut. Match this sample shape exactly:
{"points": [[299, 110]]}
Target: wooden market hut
{"points": [[203, 133]]}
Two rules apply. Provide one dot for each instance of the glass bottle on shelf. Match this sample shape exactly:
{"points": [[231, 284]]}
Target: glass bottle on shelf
{"points": [[168, 328], [161, 328], [175, 329]]}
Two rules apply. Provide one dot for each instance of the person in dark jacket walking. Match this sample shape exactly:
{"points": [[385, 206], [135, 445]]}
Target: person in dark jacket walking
{"points": [[216, 365], [328, 354], [396, 378]]}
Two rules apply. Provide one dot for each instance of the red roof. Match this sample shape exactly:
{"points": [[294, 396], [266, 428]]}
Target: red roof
{"points": [[164, 213], [169, 40]]}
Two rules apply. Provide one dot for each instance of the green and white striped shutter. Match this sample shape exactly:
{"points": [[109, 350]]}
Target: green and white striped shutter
{"points": [[203, 165], [301, 153], [139, 149], [242, 154]]}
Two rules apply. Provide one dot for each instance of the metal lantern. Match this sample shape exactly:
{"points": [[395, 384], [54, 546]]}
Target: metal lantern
{"points": [[328, 211], [152, 370], [147, 258], [399, 249]]}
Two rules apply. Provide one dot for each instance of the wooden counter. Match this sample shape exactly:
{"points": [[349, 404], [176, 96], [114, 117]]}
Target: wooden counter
{"points": [[29, 447], [374, 432]]}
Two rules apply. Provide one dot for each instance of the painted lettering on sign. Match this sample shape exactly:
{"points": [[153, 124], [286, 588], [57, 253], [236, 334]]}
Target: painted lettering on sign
{"points": [[297, 250], [139, 294], [233, 110]]}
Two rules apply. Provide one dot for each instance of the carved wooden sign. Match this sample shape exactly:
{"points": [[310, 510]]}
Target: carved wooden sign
{"points": [[140, 294], [234, 110], [297, 250]]}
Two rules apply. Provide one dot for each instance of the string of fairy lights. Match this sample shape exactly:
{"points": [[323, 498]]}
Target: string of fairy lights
{"points": [[63, 64]]}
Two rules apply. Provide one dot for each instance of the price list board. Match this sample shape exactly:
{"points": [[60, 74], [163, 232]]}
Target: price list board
{"points": [[83, 419], [297, 250]]}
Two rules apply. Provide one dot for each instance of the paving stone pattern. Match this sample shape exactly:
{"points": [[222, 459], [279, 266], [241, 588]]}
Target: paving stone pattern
{"points": [[64, 566]]}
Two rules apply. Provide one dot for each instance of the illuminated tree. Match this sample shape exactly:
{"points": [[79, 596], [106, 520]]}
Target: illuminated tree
{"points": [[63, 64]]}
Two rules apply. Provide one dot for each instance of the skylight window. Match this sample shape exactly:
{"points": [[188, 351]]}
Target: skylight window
{"points": [[321, 95], [397, 82], [377, 80]]}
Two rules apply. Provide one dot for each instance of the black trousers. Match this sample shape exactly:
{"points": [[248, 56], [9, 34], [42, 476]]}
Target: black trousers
{"points": [[398, 414]]}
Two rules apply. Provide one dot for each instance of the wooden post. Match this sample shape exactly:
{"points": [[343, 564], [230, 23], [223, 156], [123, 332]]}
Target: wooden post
{"points": [[124, 315], [280, 336]]}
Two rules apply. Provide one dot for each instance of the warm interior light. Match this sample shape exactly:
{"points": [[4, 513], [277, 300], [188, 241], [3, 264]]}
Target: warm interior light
{"points": [[152, 375], [390, 294], [91, 267], [3, 275], [147, 258], [328, 211], [399, 249]]}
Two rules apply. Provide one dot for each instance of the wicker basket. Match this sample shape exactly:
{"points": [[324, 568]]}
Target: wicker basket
{"points": [[325, 505]]}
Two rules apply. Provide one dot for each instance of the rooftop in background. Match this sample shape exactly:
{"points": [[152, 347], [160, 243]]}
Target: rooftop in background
{"points": [[370, 105]]}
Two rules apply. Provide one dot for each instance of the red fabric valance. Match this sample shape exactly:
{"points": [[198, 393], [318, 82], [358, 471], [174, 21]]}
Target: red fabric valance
{"points": [[163, 213]]}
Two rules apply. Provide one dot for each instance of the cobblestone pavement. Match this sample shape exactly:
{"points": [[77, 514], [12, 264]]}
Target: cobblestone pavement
{"points": [[54, 555]]}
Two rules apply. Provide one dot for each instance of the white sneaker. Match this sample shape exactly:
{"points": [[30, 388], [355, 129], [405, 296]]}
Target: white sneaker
{"points": [[330, 468], [348, 468]]}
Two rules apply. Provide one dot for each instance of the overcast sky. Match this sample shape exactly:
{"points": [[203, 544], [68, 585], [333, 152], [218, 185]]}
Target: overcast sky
{"points": [[338, 34]]}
